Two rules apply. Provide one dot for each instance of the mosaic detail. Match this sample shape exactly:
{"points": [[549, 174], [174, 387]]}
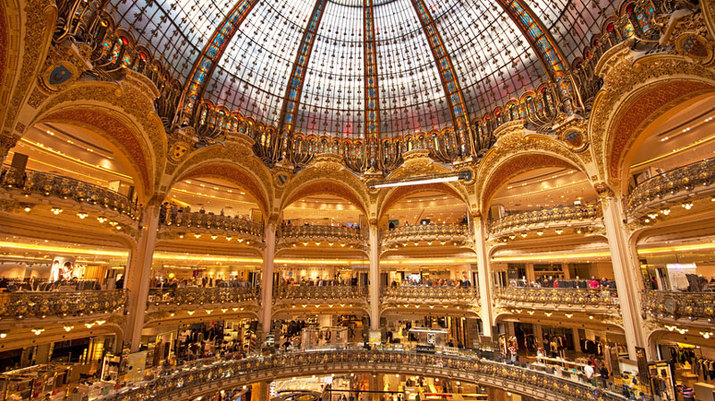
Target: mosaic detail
{"points": [[214, 51], [297, 76], [444, 64]]}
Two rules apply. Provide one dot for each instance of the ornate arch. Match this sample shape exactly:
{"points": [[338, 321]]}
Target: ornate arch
{"points": [[634, 94], [113, 112], [327, 176], [517, 152], [213, 162], [417, 162]]}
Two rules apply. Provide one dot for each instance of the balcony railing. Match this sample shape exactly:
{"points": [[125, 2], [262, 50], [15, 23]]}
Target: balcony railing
{"points": [[48, 184], [325, 233], [202, 296], [431, 294], [203, 380], [689, 306], [656, 190], [45, 304], [565, 216], [428, 232], [197, 222], [315, 293], [557, 298]]}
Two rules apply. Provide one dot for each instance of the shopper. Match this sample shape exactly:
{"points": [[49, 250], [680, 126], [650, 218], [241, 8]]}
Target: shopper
{"points": [[588, 371]]}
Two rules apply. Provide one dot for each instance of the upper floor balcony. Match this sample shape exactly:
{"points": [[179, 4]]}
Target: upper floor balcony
{"points": [[196, 302], [60, 305], [29, 188], [592, 300], [289, 299], [675, 308], [682, 185], [553, 218], [427, 298], [336, 236], [180, 223], [443, 234]]}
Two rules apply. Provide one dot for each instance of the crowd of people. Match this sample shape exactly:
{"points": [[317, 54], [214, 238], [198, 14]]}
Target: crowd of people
{"points": [[199, 282], [555, 282], [337, 280]]}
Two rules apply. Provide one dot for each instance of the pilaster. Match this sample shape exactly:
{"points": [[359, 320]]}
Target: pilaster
{"points": [[485, 273], [137, 277], [267, 276], [625, 271], [374, 276]]}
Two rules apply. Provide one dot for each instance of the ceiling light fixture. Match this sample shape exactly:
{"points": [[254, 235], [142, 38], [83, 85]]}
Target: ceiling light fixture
{"points": [[465, 175]]}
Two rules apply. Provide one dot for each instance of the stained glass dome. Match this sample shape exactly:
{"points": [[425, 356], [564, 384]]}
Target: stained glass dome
{"points": [[433, 58]]}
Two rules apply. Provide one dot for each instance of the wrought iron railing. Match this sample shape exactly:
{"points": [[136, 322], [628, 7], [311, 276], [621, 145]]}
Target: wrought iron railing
{"points": [[679, 180], [216, 375], [310, 292], [199, 222], [546, 218], [428, 232], [202, 296], [45, 304], [559, 297], [335, 233], [679, 305], [408, 293], [48, 184]]}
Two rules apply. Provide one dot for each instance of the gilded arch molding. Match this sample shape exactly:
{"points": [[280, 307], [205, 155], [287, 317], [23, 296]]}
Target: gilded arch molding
{"points": [[221, 162], [635, 92], [417, 162], [124, 111], [517, 152], [327, 176]]}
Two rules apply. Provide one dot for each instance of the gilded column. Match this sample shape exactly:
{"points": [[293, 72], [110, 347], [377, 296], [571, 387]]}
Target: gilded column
{"points": [[267, 276], [374, 276], [138, 274], [625, 271], [484, 272]]}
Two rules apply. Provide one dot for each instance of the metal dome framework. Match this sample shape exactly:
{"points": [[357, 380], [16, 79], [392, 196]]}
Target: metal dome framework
{"points": [[304, 65]]}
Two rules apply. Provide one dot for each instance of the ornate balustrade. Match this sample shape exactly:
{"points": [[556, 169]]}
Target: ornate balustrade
{"points": [[339, 236], [325, 293], [198, 381], [597, 299], [410, 298], [685, 307], [435, 233], [670, 187], [47, 304], [176, 222], [66, 188], [199, 296], [558, 217]]}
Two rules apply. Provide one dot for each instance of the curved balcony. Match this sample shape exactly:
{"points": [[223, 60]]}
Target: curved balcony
{"points": [[453, 234], [66, 189], [185, 302], [411, 298], [598, 300], [339, 237], [60, 304], [691, 181], [176, 223], [202, 380], [557, 218], [673, 307], [292, 298]]}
